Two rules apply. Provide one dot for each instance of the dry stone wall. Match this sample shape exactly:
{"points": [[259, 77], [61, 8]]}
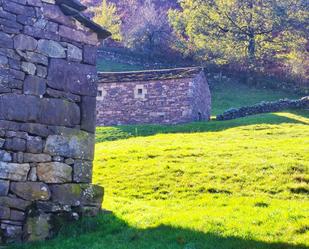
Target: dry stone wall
{"points": [[265, 107], [47, 117]]}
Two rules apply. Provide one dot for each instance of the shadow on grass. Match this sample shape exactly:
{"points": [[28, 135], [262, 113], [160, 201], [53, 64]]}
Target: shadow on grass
{"points": [[127, 131], [109, 232]]}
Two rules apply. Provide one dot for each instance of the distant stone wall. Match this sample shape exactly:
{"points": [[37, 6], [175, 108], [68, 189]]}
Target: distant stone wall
{"points": [[163, 101], [47, 119], [265, 107]]}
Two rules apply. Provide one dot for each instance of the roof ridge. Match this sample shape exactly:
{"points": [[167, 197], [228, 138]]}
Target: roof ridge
{"points": [[153, 70], [149, 75], [74, 8], [75, 4]]}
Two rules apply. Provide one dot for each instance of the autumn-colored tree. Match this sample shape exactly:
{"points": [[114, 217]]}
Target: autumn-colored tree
{"points": [[106, 15], [242, 31]]}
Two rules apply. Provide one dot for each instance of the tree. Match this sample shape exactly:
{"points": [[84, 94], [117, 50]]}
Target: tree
{"points": [[148, 29], [247, 31], [106, 15]]}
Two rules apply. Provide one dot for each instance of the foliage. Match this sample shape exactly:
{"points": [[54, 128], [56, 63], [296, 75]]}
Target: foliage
{"points": [[250, 33], [106, 15], [148, 29], [215, 185]]}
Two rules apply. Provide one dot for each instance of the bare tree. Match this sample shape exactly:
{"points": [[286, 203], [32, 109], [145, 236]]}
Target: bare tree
{"points": [[148, 29]]}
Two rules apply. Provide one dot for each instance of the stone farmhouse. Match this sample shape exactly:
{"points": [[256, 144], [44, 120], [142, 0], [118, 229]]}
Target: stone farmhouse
{"points": [[168, 96], [48, 88]]}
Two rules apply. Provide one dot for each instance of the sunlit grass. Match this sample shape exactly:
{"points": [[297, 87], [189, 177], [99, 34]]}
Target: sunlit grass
{"points": [[239, 184], [248, 181]]}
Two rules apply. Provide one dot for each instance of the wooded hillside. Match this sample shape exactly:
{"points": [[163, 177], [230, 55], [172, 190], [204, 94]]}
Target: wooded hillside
{"points": [[256, 39]]}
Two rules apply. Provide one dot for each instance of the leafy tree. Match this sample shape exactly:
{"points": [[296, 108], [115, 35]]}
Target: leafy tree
{"points": [[226, 31], [106, 15]]}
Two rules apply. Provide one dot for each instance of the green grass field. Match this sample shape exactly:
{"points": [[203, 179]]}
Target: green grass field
{"points": [[104, 65], [240, 184]]}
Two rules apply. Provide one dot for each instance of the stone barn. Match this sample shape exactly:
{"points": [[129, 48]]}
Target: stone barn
{"points": [[48, 88], [168, 96]]}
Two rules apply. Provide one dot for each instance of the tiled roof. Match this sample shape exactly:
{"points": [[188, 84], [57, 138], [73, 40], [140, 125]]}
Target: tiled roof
{"points": [[164, 74], [74, 8]]}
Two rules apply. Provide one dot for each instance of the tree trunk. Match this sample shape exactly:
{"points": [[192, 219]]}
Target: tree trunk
{"points": [[251, 49], [150, 47], [251, 35]]}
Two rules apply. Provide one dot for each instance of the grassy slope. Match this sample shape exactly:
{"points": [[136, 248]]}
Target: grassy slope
{"points": [[239, 184], [111, 66]]}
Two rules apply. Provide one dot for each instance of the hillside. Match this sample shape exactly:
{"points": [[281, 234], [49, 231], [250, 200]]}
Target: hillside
{"points": [[210, 185]]}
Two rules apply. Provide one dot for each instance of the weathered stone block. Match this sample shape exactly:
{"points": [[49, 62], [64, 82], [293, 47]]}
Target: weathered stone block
{"points": [[82, 171], [3, 60], [31, 191], [34, 144], [5, 40], [25, 42], [15, 144], [77, 194], [38, 227], [36, 158], [17, 215], [72, 77], [16, 134], [4, 187], [14, 7], [32, 175], [88, 114], [54, 172], [34, 85], [90, 55], [52, 207], [4, 213], [28, 67], [18, 157], [14, 171], [12, 232], [44, 111], [5, 156], [14, 202], [63, 95], [71, 143], [34, 57], [2, 141], [51, 48], [74, 53], [36, 129], [41, 71]]}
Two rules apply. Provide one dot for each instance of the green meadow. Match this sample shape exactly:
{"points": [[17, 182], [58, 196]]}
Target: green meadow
{"points": [[240, 184]]}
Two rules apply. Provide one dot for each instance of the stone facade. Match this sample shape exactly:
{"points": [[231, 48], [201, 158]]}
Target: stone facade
{"points": [[169, 96], [47, 116]]}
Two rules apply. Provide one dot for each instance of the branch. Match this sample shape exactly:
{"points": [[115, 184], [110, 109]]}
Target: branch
{"points": [[236, 25], [225, 30]]}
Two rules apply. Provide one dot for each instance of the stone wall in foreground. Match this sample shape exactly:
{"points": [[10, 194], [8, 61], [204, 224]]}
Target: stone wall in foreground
{"points": [[47, 119]]}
